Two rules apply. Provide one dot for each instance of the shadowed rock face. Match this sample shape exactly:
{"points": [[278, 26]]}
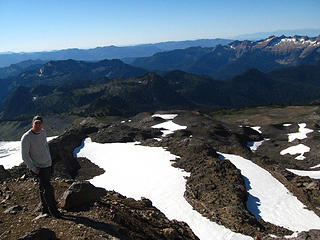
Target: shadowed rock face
{"points": [[81, 195], [4, 174], [61, 149]]}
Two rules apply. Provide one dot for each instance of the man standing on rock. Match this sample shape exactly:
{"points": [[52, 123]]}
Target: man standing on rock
{"points": [[36, 155]]}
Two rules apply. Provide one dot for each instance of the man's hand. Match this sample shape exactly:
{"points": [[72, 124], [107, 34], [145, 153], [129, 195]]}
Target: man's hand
{"points": [[37, 171]]}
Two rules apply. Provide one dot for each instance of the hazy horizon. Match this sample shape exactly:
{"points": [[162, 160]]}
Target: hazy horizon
{"points": [[34, 25]]}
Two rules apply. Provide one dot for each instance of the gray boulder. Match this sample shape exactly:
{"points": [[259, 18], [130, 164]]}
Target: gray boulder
{"points": [[81, 195], [40, 234]]}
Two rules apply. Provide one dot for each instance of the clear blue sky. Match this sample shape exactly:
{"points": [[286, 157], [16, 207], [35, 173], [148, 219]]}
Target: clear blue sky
{"points": [[36, 25]]}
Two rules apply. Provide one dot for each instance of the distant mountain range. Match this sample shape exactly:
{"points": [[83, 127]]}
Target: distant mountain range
{"points": [[54, 73], [276, 70], [16, 69], [108, 52], [225, 61], [175, 90]]}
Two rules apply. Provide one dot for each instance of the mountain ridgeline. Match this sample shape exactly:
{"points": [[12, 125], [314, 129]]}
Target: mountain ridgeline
{"points": [[225, 61], [277, 70], [107, 52], [54, 73], [174, 90]]}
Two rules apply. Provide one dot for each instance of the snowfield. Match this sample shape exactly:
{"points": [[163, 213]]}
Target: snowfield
{"points": [[270, 200], [139, 171], [10, 154]]}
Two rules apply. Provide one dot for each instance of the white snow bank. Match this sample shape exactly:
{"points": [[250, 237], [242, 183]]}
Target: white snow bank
{"points": [[270, 200], [303, 173], [316, 166], [257, 128], [165, 116], [139, 171], [169, 125], [254, 145], [295, 150], [10, 154], [303, 131], [287, 124]]}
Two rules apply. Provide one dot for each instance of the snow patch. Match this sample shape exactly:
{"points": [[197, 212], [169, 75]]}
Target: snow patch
{"points": [[303, 173], [316, 166], [257, 128], [270, 200], [139, 171], [302, 134], [296, 150], [165, 116], [170, 126], [254, 145]]}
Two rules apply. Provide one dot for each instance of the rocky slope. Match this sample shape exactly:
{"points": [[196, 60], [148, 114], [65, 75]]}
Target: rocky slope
{"points": [[215, 187], [111, 217]]}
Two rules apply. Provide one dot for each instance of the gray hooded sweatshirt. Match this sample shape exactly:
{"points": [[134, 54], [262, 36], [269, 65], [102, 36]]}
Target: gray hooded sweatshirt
{"points": [[35, 150]]}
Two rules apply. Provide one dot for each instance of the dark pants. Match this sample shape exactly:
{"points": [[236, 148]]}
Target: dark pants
{"points": [[49, 204]]}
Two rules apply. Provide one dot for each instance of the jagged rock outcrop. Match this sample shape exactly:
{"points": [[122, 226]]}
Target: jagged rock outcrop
{"points": [[61, 149], [124, 133], [141, 220]]}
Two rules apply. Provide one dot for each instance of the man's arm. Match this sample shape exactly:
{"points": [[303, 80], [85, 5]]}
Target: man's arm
{"points": [[25, 148]]}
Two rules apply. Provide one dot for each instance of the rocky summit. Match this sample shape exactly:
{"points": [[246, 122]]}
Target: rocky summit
{"points": [[215, 187]]}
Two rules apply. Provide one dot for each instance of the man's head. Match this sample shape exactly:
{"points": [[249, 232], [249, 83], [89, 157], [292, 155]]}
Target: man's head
{"points": [[37, 124]]}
